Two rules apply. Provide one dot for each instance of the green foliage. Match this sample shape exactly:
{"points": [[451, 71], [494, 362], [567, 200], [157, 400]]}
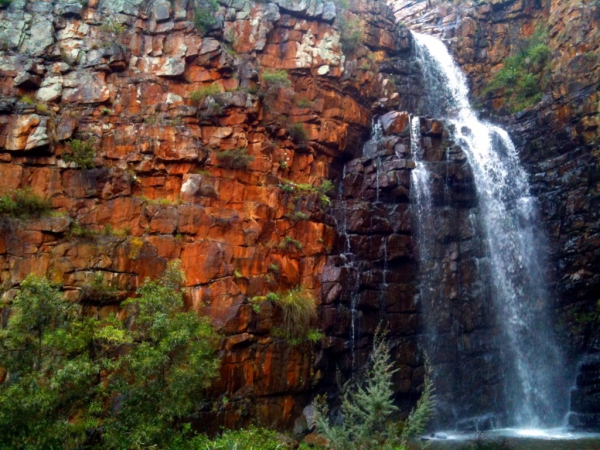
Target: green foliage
{"points": [[77, 381], [23, 203], [247, 439], [235, 159], [368, 408], [592, 317], [287, 241], [299, 309], [303, 103], [272, 297], [27, 99], [417, 420], [276, 78], [82, 232], [99, 291], [41, 108], [301, 189], [272, 83], [314, 335], [42, 350], [199, 96], [297, 132], [105, 111], [299, 215], [522, 79], [4, 3], [351, 33], [204, 15], [113, 27], [82, 153], [159, 201]]}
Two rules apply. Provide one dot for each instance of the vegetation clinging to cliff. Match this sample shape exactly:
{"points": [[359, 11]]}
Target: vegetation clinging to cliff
{"points": [[204, 15], [81, 153], [23, 203], [522, 79], [235, 159], [351, 33]]}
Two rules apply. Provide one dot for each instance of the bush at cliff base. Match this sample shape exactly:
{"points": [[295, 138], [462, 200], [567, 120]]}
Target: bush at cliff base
{"points": [[73, 380]]}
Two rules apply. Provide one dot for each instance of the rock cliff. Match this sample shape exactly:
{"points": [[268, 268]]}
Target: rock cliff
{"points": [[212, 129], [208, 141]]}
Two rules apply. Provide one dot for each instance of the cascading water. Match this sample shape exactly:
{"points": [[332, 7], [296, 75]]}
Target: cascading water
{"points": [[533, 376], [351, 262]]}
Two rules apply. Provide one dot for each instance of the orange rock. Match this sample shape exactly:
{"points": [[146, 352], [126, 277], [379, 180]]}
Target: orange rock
{"points": [[11, 176]]}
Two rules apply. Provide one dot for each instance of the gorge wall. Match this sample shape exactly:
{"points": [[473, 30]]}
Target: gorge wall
{"points": [[122, 74]]}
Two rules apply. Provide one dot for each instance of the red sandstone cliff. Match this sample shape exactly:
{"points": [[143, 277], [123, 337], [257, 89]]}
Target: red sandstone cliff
{"points": [[121, 76]]}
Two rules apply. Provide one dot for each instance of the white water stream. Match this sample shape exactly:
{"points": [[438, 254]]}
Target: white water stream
{"points": [[533, 380]]}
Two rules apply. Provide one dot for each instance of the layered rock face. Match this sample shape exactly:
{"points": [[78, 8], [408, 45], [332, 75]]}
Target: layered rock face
{"points": [[207, 153], [557, 139], [121, 76]]}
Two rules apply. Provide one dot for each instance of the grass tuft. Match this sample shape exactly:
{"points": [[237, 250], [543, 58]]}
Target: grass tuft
{"points": [[23, 203], [235, 159]]}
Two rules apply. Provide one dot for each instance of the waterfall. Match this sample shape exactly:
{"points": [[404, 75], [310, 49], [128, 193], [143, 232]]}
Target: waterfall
{"points": [[532, 378]]}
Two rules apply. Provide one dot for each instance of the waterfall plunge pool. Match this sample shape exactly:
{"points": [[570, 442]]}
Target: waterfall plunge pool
{"points": [[516, 439]]}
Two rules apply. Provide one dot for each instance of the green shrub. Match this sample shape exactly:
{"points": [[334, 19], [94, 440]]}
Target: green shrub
{"points": [[113, 27], [99, 291], [235, 159], [272, 83], [297, 132], [287, 241], [522, 78], [79, 381], [252, 438], [303, 103], [23, 203], [351, 33], [303, 189], [314, 335], [82, 232], [198, 96], [4, 3], [276, 78], [204, 15], [82, 153], [368, 407]]}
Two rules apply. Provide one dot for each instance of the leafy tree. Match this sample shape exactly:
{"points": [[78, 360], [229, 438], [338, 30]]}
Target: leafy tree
{"points": [[71, 380]]}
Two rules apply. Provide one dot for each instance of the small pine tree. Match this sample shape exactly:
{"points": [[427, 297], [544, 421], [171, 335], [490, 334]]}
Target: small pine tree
{"points": [[368, 407]]}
